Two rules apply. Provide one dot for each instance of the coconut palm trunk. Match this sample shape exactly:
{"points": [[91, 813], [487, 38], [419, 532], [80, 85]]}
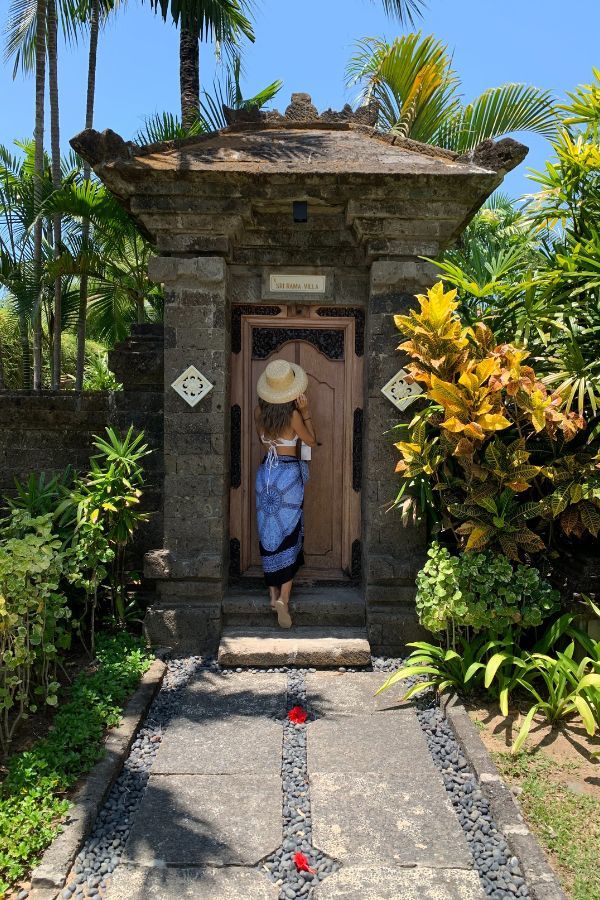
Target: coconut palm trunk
{"points": [[189, 75], [2, 381], [40, 82], [56, 180], [85, 231]]}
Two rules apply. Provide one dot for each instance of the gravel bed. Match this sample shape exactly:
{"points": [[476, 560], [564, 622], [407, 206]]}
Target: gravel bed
{"points": [[297, 824], [498, 869], [103, 849]]}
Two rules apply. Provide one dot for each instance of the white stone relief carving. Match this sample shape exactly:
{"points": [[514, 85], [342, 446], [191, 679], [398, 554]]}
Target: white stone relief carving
{"points": [[400, 391], [192, 385]]}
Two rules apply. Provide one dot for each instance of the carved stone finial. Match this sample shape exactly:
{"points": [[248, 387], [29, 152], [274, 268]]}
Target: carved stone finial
{"points": [[96, 147], [301, 109], [364, 115], [499, 156]]}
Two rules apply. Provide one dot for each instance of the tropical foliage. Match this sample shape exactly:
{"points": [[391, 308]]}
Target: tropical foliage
{"points": [[492, 442], [561, 672], [533, 273], [36, 780], [418, 92]]}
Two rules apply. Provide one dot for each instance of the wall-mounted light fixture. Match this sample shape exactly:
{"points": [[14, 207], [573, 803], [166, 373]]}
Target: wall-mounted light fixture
{"points": [[300, 211]]}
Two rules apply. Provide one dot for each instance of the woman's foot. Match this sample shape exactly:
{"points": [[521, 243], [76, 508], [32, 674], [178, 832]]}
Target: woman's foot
{"points": [[284, 619], [274, 593]]}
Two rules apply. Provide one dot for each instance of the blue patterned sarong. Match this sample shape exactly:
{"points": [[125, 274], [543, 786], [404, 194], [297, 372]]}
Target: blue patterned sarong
{"points": [[280, 484]]}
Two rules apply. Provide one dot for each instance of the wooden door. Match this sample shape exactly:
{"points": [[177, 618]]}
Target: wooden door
{"points": [[325, 349], [323, 493]]}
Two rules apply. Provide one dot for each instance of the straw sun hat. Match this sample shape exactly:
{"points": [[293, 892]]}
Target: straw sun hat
{"points": [[282, 382]]}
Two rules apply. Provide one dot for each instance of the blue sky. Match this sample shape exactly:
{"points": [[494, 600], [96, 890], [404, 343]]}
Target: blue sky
{"points": [[307, 43]]}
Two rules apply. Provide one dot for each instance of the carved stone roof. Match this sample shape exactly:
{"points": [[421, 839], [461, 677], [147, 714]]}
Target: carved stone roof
{"points": [[371, 195], [260, 142]]}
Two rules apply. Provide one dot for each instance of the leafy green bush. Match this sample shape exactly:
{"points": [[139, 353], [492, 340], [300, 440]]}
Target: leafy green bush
{"points": [[482, 591], [97, 376], [33, 616], [32, 794], [109, 497]]}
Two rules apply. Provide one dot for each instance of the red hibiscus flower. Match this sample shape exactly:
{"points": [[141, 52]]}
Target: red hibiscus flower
{"points": [[297, 715], [302, 862]]}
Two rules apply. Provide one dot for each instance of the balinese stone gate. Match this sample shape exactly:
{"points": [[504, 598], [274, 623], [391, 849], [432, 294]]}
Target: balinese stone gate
{"points": [[342, 214]]}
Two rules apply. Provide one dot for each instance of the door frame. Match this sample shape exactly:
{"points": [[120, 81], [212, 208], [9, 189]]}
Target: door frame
{"points": [[241, 507]]}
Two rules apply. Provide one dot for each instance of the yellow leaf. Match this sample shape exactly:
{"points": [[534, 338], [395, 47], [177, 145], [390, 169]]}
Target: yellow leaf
{"points": [[493, 422], [454, 425], [486, 368], [470, 381], [478, 537]]}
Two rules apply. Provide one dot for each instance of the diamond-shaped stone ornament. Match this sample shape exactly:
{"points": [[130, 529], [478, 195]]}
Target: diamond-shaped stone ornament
{"points": [[192, 385], [400, 391]]}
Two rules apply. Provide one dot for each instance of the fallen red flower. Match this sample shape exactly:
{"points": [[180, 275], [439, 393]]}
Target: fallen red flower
{"points": [[297, 715], [301, 861]]}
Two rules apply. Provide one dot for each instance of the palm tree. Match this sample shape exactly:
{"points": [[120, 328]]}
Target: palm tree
{"points": [[16, 246], [417, 90], [199, 20], [40, 83], [56, 181]]}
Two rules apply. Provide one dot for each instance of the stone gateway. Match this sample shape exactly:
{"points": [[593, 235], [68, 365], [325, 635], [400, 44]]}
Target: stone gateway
{"points": [[296, 236]]}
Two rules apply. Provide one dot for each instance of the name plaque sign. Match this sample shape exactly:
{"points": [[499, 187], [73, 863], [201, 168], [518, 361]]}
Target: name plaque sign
{"points": [[297, 284]]}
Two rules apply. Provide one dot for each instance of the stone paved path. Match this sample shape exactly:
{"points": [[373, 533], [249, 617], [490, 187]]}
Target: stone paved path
{"points": [[211, 815]]}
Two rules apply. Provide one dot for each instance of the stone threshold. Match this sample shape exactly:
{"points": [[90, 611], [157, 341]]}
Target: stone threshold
{"points": [[314, 647]]}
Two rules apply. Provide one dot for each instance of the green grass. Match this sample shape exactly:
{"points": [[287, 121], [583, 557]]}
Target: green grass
{"points": [[567, 824], [32, 795]]}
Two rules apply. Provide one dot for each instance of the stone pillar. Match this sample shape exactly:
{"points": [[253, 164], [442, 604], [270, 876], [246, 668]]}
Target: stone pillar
{"points": [[392, 553], [191, 568]]}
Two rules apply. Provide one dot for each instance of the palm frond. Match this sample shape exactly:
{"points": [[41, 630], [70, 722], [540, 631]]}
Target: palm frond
{"points": [[406, 11], [499, 111], [221, 20], [411, 79]]}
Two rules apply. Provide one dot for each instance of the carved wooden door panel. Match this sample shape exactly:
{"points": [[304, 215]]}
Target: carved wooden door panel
{"points": [[323, 493], [325, 348]]}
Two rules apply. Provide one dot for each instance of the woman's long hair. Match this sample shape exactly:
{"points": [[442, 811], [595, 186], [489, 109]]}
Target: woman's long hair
{"points": [[275, 417]]}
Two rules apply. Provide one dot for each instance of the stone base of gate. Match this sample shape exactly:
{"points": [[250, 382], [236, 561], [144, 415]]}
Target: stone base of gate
{"points": [[391, 625], [189, 628]]}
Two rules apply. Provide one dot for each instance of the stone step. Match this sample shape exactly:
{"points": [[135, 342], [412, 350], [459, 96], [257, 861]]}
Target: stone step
{"points": [[309, 606], [318, 647]]}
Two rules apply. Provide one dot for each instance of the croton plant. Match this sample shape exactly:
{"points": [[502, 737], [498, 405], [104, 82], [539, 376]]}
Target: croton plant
{"points": [[492, 454]]}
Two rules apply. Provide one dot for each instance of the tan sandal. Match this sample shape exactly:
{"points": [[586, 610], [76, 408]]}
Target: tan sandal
{"points": [[284, 619]]}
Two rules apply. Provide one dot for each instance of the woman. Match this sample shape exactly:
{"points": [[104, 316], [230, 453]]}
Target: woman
{"points": [[284, 424]]}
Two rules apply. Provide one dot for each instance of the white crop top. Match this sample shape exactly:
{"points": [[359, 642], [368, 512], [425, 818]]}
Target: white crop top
{"points": [[305, 450]]}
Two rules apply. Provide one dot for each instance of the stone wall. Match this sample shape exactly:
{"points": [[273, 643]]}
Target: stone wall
{"points": [[392, 553], [47, 432]]}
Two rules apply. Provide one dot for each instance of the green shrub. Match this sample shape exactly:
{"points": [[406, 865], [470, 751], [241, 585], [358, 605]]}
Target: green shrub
{"points": [[32, 794], [97, 376], [483, 591], [33, 616]]}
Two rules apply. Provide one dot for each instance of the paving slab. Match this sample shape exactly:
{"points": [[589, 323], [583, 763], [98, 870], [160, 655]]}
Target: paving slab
{"points": [[227, 746], [352, 694], [141, 882], [383, 819], [207, 820], [395, 883], [370, 744], [304, 646], [214, 695]]}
